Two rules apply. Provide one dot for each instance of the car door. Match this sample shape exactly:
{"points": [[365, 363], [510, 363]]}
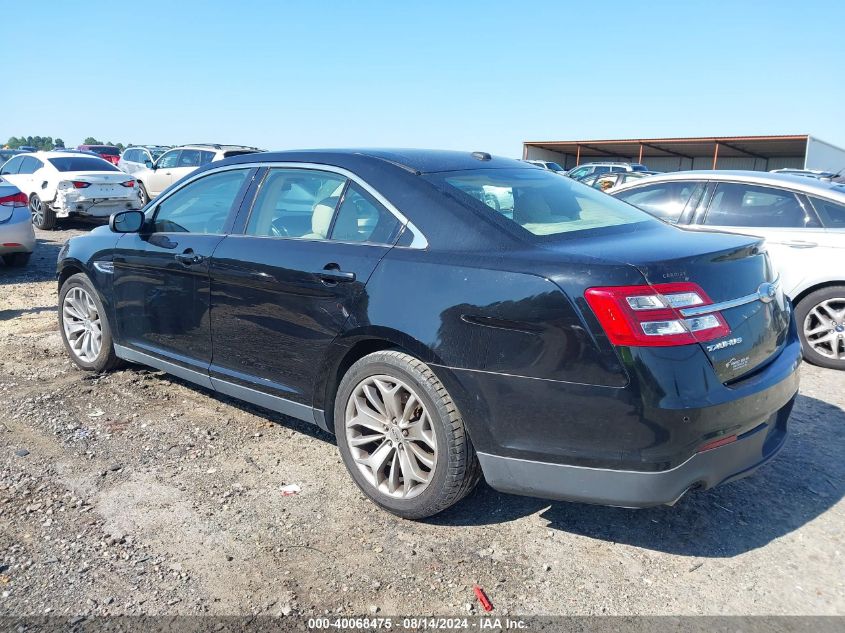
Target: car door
{"points": [[189, 161], [161, 275], [161, 176], [787, 220], [283, 288]]}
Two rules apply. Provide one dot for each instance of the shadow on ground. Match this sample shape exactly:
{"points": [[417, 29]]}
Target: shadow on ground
{"points": [[806, 479]]}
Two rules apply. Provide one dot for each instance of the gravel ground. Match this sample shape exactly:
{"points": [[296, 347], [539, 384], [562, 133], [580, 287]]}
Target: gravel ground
{"points": [[136, 493]]}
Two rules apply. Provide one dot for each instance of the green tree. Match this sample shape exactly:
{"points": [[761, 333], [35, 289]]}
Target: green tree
{"points": [[58, 143], [91, 141]]}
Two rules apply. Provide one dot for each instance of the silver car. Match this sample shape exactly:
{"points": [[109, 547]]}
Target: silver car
{"points": [[17, 238], [802, 220]]}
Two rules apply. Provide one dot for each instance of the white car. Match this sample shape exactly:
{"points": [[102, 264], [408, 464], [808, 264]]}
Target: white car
{"points": [[61, 184], [180, 161], [802, 220], [138, 157]]}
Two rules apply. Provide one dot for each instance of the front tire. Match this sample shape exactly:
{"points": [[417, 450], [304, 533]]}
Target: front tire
{"points": [[84, 326], [401, 437], [43, 217], [821, 326]]}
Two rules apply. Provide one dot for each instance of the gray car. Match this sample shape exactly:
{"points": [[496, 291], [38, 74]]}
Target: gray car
{"points": [[17, 238], [802, 220]]}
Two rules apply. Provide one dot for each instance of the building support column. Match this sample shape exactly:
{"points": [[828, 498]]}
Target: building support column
{"points": [[577, 155], [716, 156], [640, 157]]}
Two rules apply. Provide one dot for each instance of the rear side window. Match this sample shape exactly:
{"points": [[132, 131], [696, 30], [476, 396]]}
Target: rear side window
{"points": [[12, 166], [664, 200], [206, 157], [832, 213], [189, 158], [541, 202], [737, 204], [81, 163], [296, 203], [201, 206], [361, 218]]}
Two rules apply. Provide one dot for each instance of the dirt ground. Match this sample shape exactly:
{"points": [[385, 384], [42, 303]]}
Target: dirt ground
{"points": [[136, 493]]}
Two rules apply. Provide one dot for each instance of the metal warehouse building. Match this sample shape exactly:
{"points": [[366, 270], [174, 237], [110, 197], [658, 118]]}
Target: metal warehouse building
{"points": [[760, 153]]}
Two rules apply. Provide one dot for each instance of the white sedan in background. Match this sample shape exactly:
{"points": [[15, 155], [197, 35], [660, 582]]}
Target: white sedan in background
{"points": [[61, 184], [802, 220]]}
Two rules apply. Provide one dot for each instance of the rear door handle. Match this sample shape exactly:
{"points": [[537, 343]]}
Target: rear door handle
{"points": [[332, 274], [799, 244]]}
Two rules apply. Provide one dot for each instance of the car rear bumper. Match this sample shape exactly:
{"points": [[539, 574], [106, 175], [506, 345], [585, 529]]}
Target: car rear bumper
{"points": [[96, 207], [633, 489], [16, 234], [635, 446]]}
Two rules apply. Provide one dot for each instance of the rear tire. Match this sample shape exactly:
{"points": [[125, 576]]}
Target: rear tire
{"points": [[143, 196], [821, 326], [43, 217], [81, 314], [16, 260], [425, 458]]}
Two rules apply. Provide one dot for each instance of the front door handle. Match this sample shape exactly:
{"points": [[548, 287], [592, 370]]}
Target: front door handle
{"points": [[189, 258], [799, 244], [332, 274]]}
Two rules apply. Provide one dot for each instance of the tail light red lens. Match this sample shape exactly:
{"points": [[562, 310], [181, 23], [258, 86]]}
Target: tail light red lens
{"points": [[128, 183], [78, 184], [16, 200], [649, 316]]}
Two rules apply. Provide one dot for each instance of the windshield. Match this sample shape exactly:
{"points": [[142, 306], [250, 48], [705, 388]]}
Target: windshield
{"points": [[81, 163], [639, 168], [155, 153], [554, 166], [540, 202]]}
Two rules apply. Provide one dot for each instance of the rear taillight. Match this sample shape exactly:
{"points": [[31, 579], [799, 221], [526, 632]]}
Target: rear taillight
{"points": [[15, 200], [128, 183], [649, 316], [78, 184]]}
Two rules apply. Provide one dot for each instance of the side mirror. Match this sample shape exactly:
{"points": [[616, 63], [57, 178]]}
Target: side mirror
{"points": [[127, 221], [149, 164]]}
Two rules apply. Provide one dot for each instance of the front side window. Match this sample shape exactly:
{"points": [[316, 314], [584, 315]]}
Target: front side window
{"points": [[361, 218], [544, 204], [737, 204], [296, 203], [580, 173], [201, 206], [169, 159], [664, 200], [832, 213]]}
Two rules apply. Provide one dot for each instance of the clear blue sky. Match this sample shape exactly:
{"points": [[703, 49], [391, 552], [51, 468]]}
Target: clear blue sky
{"points": [[476, 75]]}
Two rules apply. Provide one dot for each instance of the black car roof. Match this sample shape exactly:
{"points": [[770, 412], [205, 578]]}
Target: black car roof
{"points": [[414, 160]]}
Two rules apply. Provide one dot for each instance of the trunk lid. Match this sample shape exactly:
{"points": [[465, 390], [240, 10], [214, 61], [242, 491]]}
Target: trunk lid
{"points": [[104, 185], [729, 268]]}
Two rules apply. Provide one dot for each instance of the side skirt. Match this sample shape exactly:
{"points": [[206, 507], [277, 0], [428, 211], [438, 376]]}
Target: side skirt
{"points": [[259, 398]]}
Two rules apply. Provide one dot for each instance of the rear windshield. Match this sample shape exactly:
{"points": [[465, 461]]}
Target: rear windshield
{"points": [[541, 202], [238, 152], [104, 149], [81, 163]]}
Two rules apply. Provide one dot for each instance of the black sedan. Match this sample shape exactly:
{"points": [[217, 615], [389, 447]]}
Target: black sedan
{"points": [[563, 345]]}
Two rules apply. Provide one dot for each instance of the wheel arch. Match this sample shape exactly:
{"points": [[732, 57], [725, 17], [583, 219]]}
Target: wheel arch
{"points": [[818, 286], [351, 347]]}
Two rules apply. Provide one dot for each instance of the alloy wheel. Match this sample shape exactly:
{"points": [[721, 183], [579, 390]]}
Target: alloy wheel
{"points": [[824, 328], [391, 436], [36, 208], [82, 325]]}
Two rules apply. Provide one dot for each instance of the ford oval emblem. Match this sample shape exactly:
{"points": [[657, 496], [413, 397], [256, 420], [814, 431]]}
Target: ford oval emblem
{"points": [[766, 292]]}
